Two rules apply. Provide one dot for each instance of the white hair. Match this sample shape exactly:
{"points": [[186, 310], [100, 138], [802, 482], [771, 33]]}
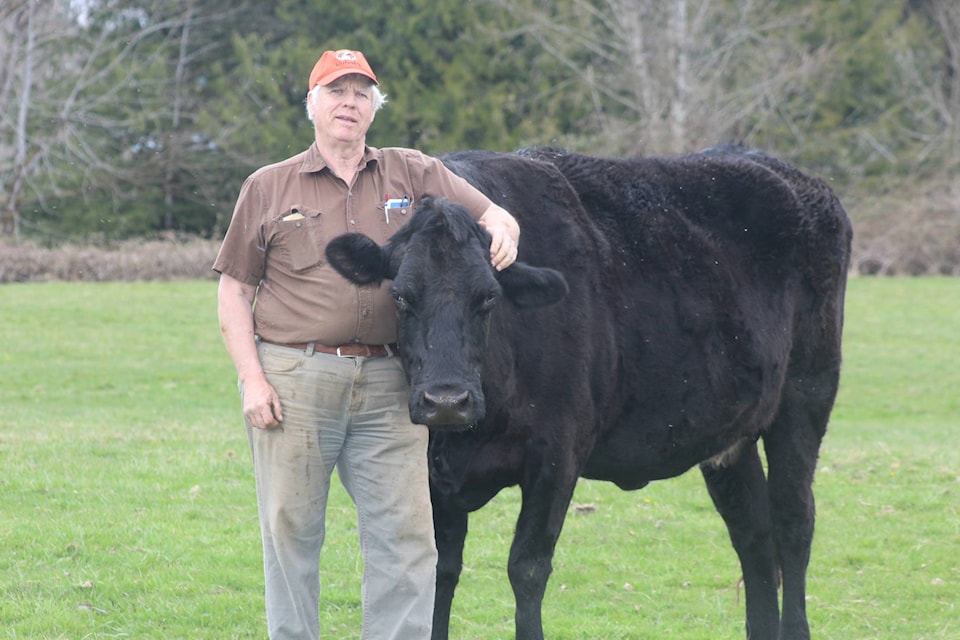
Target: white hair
{"points": [[379, 99]]}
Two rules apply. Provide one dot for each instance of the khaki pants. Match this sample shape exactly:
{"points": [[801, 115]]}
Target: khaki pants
{"points": [[349, 413]]}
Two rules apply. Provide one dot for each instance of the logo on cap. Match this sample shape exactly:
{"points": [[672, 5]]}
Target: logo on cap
{"points": [[334, 64]]}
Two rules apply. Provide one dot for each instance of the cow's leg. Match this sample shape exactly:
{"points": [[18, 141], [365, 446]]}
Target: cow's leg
{"points": [[792, 445], [546, 494], [450, 526], [739, 491]]}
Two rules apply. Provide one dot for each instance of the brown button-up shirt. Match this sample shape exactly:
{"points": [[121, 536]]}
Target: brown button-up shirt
{"points": [[288, 211]]}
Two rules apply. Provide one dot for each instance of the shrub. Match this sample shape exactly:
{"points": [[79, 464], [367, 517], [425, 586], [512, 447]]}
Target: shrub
{"points": [[169, 258]]}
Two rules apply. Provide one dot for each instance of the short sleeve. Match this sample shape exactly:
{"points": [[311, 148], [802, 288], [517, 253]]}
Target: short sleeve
{"points": [[242, 254]]}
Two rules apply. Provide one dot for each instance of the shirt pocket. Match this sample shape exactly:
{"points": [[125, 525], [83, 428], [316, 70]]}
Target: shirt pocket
{"points": [[396, 203], [299, 240]]}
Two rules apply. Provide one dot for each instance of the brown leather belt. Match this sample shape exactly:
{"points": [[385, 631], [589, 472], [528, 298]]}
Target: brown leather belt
{"points": [[349, 349]]}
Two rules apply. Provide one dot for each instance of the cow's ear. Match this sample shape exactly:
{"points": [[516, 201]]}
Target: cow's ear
{"points": [[358, 259], [529, 287]]}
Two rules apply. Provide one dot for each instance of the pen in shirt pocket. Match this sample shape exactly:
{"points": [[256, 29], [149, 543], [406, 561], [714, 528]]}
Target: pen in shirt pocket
{"points": [[295, 214], [395, 203]]}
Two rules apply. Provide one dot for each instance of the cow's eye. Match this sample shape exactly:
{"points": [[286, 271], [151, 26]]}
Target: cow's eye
{"points": [[400, 301], [489, 301]]}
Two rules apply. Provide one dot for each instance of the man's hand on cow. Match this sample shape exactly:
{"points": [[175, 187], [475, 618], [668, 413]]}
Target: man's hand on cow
{"points": [[261, 405], [503, 249], [505, 236]]}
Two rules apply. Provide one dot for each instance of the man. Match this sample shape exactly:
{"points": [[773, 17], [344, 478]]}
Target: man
{"points": [[319, 382]]}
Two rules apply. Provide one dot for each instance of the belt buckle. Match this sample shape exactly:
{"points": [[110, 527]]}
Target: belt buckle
{"points": [[340, 355]]}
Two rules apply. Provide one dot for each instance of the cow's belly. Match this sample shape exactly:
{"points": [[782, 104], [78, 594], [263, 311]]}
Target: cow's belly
{"points": [[637, 451], [612, 463]]}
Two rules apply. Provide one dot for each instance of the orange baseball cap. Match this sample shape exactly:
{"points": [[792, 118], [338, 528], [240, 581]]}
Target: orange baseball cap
{"points": [[335, 64]]}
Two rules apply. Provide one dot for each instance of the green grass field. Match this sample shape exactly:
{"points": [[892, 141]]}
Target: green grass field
{"points": [[127, 506]]}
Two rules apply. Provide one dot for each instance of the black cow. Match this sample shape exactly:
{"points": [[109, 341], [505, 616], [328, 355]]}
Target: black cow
{"points": [[703, 312]]}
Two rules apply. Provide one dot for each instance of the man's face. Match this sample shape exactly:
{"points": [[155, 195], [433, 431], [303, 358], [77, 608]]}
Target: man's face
{"points": [[343, 110]]}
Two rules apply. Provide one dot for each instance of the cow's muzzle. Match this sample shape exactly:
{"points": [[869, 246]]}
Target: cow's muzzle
{"points": [[446, 409]]}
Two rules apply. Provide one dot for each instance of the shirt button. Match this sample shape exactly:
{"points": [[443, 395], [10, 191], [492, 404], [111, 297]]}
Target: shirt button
{"points": [[366, 313], [353, 222]]}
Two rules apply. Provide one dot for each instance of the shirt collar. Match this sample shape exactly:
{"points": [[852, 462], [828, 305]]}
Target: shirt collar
{"points": [[313, 162]]}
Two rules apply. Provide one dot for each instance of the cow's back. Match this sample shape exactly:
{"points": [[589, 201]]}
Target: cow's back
{"points": [[729, 202]]}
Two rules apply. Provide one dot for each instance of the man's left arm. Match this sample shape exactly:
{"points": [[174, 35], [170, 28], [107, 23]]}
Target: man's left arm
{"points": [[505, 234]]}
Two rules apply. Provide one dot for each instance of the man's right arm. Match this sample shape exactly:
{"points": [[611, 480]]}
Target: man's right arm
{"points": [[261, 405]]}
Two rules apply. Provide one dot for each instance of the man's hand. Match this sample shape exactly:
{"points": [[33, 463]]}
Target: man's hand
{"points": [[505, 236], [261, 405]]}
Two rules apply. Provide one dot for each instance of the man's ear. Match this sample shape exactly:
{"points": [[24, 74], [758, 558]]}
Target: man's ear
{"points": [[358, 259], [529, 287]]}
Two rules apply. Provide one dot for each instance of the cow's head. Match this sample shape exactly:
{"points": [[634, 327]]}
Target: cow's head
{"points": [[445, 290]]}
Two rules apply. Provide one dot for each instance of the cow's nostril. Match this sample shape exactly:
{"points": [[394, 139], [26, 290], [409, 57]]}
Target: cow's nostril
{"points": [[447, 407], [447, 399]]}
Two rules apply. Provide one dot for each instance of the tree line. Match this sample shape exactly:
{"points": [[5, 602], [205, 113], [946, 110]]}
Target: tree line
{"points": [[122, 118]]}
